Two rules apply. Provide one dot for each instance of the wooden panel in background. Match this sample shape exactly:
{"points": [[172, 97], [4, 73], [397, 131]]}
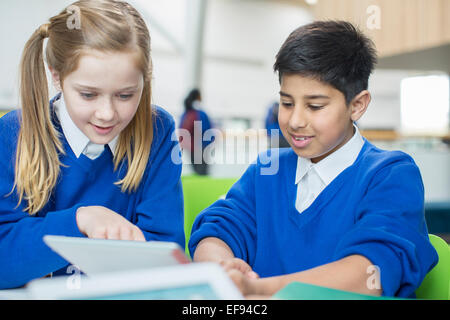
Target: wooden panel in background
{"points": [[405, 25]]}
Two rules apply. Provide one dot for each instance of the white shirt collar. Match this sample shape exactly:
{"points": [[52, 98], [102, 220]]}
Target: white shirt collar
{"points": [[331, 166], [78, 141]]}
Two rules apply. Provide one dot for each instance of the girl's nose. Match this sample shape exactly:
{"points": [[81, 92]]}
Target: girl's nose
{"points": [[105, 111]]}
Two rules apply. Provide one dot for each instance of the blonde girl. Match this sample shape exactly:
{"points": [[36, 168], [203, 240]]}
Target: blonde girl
{"points": [[97, 160]]}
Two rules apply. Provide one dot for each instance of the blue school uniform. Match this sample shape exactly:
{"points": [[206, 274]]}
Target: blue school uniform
{"points": [[156, 207], [374, 208]]}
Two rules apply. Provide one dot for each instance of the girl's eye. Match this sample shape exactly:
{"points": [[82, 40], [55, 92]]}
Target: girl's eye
{"points": [[125, 96], [87, 96], [315, 107]]}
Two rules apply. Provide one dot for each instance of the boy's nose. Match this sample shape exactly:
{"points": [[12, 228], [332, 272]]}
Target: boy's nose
{"points": [[298, 118]]}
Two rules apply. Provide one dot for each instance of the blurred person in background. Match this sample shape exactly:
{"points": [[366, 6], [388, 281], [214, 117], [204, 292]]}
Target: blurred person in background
{"points": [[196, 122]]}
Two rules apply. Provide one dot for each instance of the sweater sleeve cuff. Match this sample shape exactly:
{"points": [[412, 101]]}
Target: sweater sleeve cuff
{"points": [[63, 223], [210, 230]]}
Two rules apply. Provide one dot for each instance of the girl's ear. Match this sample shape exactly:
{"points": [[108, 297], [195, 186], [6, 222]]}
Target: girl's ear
{"points": [[359, 104], [55, 79]]}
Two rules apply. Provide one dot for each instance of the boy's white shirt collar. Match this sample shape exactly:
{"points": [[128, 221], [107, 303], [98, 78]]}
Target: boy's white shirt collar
{"points": [[77, 140], [331, 166]]}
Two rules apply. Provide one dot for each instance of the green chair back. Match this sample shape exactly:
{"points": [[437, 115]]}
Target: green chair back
{"points": [[436, 284], [200, 192]]}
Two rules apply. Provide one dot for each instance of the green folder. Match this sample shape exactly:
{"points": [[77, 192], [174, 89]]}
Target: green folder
{"points": [[304, 291]]}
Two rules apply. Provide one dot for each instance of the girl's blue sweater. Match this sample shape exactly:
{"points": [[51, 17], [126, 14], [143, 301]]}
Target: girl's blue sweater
{"points": [[156, 207]]}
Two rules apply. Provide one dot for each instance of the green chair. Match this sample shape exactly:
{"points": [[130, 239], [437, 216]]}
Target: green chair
{"points": [[436, 284], [199, 192]]}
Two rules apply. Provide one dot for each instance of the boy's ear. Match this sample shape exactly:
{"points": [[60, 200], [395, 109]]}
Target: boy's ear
{"points": [[359, 104], [55, 79]]}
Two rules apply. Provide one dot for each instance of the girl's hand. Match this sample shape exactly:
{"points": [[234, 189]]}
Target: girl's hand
{"points": [[240, 265], [102, 223]]}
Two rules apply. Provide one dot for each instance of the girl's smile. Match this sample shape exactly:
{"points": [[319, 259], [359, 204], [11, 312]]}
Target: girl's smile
{"points": [[103, 130]]}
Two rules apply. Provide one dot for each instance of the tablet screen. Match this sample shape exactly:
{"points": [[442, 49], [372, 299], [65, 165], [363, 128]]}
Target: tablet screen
{"points": [[96, 256]]}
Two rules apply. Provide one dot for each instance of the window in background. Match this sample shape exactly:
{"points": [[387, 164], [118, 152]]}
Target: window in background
{"points": [[425, 104]]}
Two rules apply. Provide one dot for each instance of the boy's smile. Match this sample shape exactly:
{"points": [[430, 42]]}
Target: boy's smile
{"points": [[300, 141], [314, 117]]}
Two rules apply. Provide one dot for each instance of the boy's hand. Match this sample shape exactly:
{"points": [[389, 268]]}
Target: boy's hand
{"points": [[240, 265], [102, 223], [247, 285]]}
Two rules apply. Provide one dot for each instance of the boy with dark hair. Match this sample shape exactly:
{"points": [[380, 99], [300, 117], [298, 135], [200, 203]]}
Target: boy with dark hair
{"points": [[339, 212]]}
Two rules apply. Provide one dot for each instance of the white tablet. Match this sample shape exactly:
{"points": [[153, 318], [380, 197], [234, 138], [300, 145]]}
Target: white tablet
{"points": [[194, 281], [97, 256]]}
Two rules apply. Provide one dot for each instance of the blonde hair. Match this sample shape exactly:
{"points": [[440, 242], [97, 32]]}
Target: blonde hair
{"points": [[104, 25]]}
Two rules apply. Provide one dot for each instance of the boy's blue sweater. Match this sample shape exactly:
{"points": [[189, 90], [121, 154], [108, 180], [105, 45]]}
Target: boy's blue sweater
{"points": [[156, 207], [374, 208]]}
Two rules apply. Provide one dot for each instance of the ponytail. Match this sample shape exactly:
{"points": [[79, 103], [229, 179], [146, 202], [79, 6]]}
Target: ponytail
{"points": [[37, 158]]}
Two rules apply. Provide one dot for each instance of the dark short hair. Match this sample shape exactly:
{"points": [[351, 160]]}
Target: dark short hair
{"points": [[193, 95], [333, 52]]}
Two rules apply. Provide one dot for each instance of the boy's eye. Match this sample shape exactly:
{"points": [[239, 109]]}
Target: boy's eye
{"points": [[315, 107], [286, 104], [87, 95]]}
